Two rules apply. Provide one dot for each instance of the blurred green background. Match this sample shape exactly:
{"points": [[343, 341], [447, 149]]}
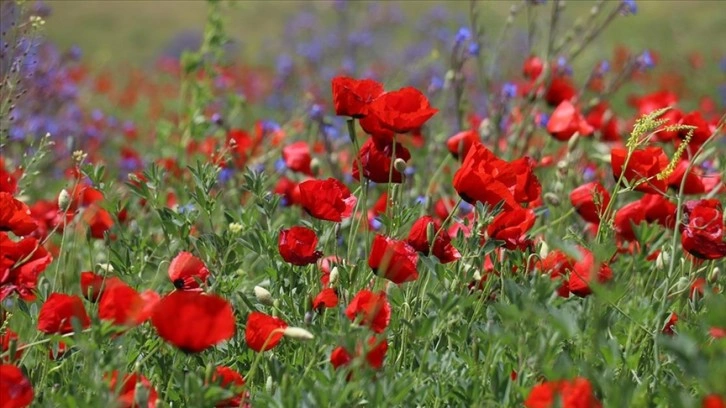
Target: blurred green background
{"points": [[116, 31]]}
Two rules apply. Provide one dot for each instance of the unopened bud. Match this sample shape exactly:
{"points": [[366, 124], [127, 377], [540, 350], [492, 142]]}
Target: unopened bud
{"points": [[662, 259], [263, 296], [681, 285], [298, 333], [315, 166], [557, 187], [64, 200], [334, 276], [713, 276], [106, 267], [552, 199], [544, 250], [268, 384], [400, 165]]}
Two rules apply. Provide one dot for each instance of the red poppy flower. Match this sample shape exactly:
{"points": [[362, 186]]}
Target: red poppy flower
{"points": [[99, 221], [560, 90], [327, 298], [375, 158], [585, 271], [557, 265], [372, 309], [402, 111], [695, 181], [511, 227], [372, 125], [193, 321], [297, 157], [263, 332], [418, 238], [49, 217], [460, 144], [532, 67], [20, 265], [83, 195], [352, 97], [490, 180], [297, 246], [92, 285], [58, 311], [233, 381], [327, 199], [703, 233], [670, 324], [376, 353], [393, 260], [186, 271], [567, 120], [576, 393], [5, 340], [702, 132], [289, 191], [15, 390], [713, 401], [15, 216], [127, 389], [717, 333], [590, 200], [122, 305], [643, 167]]}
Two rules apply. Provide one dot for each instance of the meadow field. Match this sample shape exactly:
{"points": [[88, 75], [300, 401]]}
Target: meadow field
{"points": [[362, 203]]}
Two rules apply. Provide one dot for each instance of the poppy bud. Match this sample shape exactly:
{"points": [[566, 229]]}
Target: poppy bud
{"points": [[64, 200], [268, 384], [334, 276], [713, 276], [263, 296], [400, 165], [315, 166], [106, 267], [298, 333], [544, 250], [681, 285], [662, 259]]}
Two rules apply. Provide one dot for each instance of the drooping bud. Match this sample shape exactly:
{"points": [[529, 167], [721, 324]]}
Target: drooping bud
{"points": [[263, 295], [334, 276], [298, 333], [400, 165]]}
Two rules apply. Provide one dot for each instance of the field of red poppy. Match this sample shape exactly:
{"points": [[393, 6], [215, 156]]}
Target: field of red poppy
{"points": [[362, 204]]}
